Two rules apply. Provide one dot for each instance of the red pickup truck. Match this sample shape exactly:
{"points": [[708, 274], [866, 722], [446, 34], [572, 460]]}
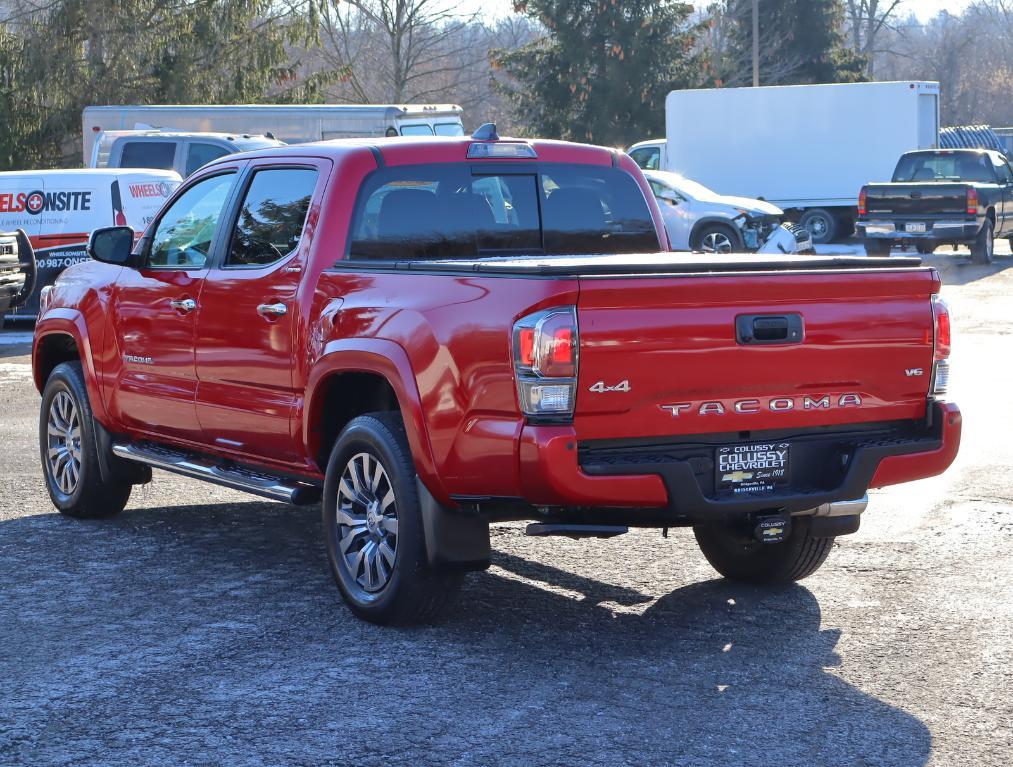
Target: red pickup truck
{"points": [[429, 335]]}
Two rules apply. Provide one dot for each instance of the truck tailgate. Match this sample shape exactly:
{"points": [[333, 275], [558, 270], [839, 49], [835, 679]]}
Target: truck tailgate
{"points": [[917, 198], [700, 354]]}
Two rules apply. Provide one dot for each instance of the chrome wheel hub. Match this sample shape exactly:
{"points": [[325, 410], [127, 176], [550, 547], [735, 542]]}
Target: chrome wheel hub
{"points": [[63, 436], [367, 522]]}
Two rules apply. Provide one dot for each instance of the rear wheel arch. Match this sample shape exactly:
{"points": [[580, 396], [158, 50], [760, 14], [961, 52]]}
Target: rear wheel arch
{"points": [[367, 375]]}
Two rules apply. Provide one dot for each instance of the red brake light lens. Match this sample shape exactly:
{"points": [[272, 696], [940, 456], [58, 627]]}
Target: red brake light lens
{"points": [[972, 201], [862, 199], [941, 316], [526, 347], [545, 362], [555, 335]]}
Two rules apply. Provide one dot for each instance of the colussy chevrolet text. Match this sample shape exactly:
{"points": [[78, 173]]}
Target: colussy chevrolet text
{"points": [[427, 335]]}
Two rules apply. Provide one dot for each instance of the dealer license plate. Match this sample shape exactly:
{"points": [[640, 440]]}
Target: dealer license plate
{"points": [[915, 227], [752, 468]]}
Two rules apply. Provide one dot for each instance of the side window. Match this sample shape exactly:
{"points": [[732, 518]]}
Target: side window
{"points": [[416, 130], [1002, 170], [272, 216], [199, 155], [184, 235], [148, 154], [648, 157]]}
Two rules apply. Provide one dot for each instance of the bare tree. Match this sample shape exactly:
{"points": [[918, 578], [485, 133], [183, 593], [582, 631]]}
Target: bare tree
{"points": [[398, 51], [866, 19]]}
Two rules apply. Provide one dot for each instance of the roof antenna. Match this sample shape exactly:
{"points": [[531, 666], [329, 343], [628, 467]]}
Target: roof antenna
{"points": [[486, 132]]}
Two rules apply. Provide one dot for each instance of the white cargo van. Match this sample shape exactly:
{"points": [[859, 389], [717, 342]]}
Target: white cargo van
{"points": [[290, 123], [58, 209], [808, 149]]}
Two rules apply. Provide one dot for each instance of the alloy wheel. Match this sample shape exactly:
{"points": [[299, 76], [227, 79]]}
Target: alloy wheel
{"points": [[64, 442], [367, 522], [716, 242]]}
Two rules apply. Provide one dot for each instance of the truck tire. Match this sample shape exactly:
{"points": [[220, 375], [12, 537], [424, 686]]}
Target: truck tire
{"points": [[821, 223], [716, 238], [739, 558], [984, 244], [373, 527], [69, 449], [874, 247], [926, 247]]}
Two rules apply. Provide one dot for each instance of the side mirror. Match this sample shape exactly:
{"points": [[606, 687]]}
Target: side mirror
{"points": [[112, 245]]}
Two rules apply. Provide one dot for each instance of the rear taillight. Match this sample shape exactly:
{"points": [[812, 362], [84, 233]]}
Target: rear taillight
{"points": [[862, 200], [972, 201], [545, 362], [941, 347]]}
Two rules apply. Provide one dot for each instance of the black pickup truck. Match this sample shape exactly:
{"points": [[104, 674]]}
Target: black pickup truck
{"points": [[956, 196], [17, 270]]}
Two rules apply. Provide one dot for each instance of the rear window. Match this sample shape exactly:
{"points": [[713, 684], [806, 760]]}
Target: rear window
{"points": [[944, 166], [148, 154], [428, 212]]}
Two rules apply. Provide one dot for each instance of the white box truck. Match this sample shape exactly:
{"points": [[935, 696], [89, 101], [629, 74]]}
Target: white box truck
{"points": [[291, 123], [808, 149]]}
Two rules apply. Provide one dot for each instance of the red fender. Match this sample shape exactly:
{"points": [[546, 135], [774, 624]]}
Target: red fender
{"points": [[69, 322], [389, 360]]}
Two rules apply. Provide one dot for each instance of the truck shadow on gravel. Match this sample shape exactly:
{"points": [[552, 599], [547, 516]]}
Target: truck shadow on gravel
{"points": [[218, 630]]}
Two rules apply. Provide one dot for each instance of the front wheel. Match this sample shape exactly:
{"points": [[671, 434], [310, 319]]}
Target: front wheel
{"points": [[715, 238], [983, 246], [373, 526], [69, 449], [740, 558]]}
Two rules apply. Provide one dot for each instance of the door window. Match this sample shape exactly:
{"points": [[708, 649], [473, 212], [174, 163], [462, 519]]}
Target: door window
{"points": [[185, 233], [648, 158], [271, 219], [1002, 170], [148, 154], [199, 155]]}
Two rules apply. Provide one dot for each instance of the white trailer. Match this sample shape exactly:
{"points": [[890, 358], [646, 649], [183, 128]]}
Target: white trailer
{"points": [[808, 149], [291, 123]]}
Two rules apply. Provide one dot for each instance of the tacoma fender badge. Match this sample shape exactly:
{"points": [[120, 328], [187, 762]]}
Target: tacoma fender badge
{"points": [[601, 388], [137, 360]]}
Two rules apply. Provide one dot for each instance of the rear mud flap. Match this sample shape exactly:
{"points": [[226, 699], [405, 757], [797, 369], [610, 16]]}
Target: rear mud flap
{"points": [[454, 540]]}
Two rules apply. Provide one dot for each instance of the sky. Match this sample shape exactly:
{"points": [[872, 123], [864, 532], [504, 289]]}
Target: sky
{"points": [[923, 9]]}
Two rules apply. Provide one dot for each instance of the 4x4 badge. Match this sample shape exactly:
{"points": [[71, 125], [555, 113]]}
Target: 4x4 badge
{"points": [[600, 387]]}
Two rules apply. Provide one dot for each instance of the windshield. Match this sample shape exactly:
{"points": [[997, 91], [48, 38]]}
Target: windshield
{"points": [[684, 186], [944, 166]]}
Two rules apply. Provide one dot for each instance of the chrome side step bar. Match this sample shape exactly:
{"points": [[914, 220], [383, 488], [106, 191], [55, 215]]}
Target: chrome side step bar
{"points": [[204, 467]]}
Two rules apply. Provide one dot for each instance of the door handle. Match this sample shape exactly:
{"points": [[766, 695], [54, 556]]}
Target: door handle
{"points": [[272, 310], [185, 305]]}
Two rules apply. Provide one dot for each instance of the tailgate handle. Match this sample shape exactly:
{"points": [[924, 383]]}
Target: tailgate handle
{"points": [[769, 329]]}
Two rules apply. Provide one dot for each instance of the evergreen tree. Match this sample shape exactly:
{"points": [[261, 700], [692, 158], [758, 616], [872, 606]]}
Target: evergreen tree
{"points": [[801, 42], [603, 70], [76, 53]]}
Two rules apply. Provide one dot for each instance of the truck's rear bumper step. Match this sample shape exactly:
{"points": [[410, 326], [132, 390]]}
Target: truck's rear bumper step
{"points": [[271, 486], [540, 529]]}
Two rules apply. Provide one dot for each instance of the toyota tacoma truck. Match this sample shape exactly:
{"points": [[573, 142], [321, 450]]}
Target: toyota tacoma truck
{"points": [[955, 196], [428, 335]]}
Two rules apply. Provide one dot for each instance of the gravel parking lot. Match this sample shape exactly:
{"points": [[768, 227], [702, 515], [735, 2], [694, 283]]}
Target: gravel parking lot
{"points": [[201, 627]]}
